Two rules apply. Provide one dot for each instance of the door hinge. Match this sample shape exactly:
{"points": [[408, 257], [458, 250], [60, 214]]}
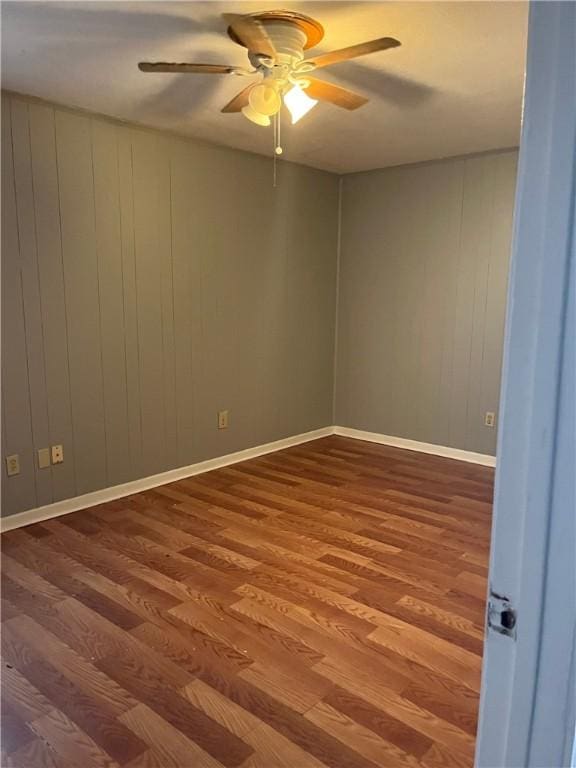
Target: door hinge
{"points": [[502, 615]]}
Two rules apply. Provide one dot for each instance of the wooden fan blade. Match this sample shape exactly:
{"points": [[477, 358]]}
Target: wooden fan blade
{"points": [[341, 97], [239, 101], [251, 33], [204, 69], [353, 51]]}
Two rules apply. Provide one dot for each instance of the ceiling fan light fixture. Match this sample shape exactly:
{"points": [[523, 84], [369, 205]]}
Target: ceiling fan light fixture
{"points": [[256, 117], [275, 42], [298, 103], [265, 99]]}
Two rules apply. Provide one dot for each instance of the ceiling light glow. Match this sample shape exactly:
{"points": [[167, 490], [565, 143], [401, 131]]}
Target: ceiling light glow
{"points": [[298, 103]]}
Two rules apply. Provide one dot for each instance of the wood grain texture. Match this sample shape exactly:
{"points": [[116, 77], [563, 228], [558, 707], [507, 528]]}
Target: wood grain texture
{"points": [[323, 605]]}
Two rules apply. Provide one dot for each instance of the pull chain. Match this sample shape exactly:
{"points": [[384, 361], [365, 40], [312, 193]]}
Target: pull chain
{"points": [[275, 131], [278, 148], [276, 122]]}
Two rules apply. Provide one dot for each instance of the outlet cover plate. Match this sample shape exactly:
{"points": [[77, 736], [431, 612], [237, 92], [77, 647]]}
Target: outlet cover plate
{"points": [[13, 465]]}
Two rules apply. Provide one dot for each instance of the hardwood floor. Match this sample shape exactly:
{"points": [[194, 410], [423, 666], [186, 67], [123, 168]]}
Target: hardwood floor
{"points": [[321, 606]]}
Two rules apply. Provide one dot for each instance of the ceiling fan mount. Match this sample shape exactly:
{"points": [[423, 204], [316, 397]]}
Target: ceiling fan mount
{"points": [[276, 41], [312, 29]]}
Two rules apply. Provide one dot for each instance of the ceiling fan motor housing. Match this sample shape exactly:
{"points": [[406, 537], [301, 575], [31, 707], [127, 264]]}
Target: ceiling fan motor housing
{"points": [[290, 32], [288, 40]]}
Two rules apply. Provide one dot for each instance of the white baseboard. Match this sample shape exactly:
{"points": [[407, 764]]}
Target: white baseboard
{"points": [[153, 481], [414, 445], [59, 508]]}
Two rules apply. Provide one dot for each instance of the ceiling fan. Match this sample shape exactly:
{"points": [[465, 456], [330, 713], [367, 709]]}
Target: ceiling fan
{"points": [[276, 41]]}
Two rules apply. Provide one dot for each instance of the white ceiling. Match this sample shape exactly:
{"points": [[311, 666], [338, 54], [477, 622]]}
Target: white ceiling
{"points": [[454, 87]]}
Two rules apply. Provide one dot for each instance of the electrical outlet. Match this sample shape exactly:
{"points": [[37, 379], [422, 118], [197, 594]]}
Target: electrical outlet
{"points": [[222, 419], [489, 419], [43, 458], [13, 465], [57, 454]]}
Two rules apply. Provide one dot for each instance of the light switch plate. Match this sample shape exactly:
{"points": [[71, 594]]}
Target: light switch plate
{"points": [[13, 465], [43, 458], [57, 454]]}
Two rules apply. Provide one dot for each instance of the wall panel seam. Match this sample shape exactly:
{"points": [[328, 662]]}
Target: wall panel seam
{"points": [[99, 294], [41, 303], [469, 381], [488, 270], [136, 293], [174, 393], [122, 277], [65, 292], [337, 298], [22, 305], [43, 396], [458, 285]]}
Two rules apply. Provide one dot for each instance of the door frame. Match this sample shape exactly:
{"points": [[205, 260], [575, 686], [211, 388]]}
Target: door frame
{"points": [[527, 713]]}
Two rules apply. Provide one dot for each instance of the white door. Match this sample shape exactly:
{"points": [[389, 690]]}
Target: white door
{"points": [[527, 704]]}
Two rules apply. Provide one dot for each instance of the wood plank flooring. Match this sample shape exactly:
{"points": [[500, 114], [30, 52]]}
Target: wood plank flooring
{"points": [[321, 606]]}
